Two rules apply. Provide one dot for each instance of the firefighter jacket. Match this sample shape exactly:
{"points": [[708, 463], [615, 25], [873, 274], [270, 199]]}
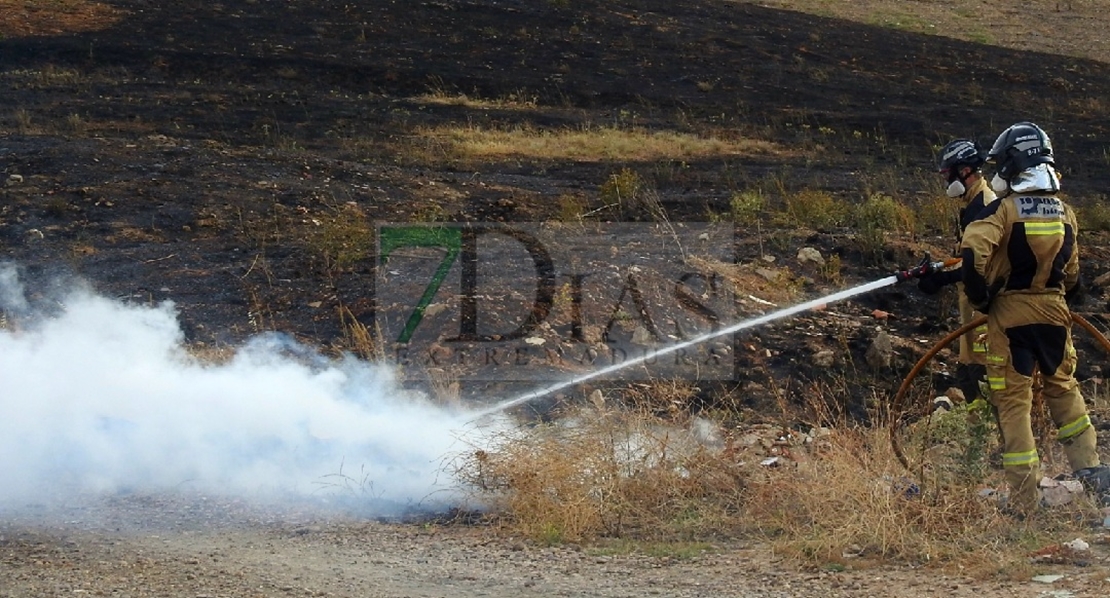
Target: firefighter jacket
{"points": [[1020, 244], [979, 196]]}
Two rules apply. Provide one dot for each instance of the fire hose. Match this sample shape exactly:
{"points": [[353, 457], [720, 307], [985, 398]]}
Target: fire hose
{"points": [[897, 406]]}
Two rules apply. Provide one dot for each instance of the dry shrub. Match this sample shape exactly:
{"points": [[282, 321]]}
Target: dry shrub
{"points": [[1093, 215], [630, 197], [836, 496], [23, 121], [210, 354], [830, 270], [937, 214], [854, 503], [339, 237], [358, 338], [607, 473], [571, 207]]}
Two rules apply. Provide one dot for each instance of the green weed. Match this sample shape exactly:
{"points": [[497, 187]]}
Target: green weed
{"points": [[814, 209], [629, 196], [746, 207], [872, 220]]}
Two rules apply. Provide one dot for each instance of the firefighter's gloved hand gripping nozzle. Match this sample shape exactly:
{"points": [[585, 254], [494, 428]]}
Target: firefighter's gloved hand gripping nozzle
{"points": [[925, 268]]}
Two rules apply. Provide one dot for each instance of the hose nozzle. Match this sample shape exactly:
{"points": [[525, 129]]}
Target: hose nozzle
{"points": [[925, 267]]}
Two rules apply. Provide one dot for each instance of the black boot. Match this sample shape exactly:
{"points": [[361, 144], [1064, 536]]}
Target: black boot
{"points": [[1097, 481]]}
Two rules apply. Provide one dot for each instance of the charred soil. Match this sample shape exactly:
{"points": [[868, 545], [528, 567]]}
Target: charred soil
{"points": [[194, 151]]}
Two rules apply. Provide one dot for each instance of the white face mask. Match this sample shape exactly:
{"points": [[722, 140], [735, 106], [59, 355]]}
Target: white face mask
{"points": [[999, 184], [956, 188]]}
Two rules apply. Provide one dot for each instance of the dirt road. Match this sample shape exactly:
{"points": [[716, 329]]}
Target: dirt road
{"points": [[171, 548]]}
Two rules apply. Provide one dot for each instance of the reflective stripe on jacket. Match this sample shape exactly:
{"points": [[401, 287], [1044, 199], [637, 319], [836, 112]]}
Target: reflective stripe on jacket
{"points": [[1021, 244]]}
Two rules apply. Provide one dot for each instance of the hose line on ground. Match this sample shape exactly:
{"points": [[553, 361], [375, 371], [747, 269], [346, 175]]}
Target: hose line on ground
{"points": [[897, 411]]}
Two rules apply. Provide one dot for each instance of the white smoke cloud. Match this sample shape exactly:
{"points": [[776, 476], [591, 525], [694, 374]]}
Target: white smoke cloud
{"points": [[11, 291], [102, 397]]}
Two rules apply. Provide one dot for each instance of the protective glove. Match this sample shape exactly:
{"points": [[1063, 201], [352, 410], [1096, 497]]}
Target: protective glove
{"points": [[983, 305], [931, 284]]}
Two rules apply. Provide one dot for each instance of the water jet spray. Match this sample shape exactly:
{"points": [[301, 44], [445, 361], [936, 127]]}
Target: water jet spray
{"points": [[647, 356], [925, 267]]}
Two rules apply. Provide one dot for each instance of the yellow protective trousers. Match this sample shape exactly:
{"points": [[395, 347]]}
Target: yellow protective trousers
{"points": [[1028, 332], [973, 345]]}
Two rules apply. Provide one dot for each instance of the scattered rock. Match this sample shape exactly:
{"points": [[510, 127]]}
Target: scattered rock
{"points": [[748, 440], [881, 351], [761, 301], [597, 398], [435, 309], [1077, 545], [1056, 496], [810, 255], [593, 334], [1055, 493], [768, 274], [852, 551], [642, 336], [955, 395]]}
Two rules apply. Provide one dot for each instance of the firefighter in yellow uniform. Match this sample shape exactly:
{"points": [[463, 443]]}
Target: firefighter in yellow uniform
{"points": [[1021, 267], [961, 163]]}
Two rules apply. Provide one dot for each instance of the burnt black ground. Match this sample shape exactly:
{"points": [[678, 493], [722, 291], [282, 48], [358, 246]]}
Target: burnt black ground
{"points": [[208, 135]]}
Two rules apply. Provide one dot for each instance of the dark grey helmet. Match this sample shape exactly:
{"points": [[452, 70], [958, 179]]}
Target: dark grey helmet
{"points": [[1019, 147], [958, 153]]}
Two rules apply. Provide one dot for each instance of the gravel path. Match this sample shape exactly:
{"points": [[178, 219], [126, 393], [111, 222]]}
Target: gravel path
{"points": [[139, 547]]}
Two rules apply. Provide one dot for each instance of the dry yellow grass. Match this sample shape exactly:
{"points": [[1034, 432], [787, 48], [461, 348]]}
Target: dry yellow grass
{"points": [[520, 100], [838, 499], [590, 144], [19, 18], [607, 473], [748, 279]]}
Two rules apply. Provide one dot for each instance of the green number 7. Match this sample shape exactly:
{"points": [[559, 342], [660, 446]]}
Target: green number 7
{"points": [[450, 238]]}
